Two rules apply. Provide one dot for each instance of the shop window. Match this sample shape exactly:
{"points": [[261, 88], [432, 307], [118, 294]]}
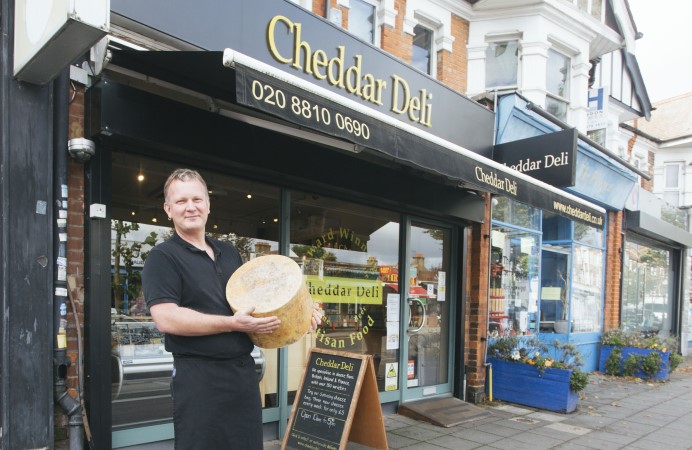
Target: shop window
{"points": [[423, 52], [513, 282], [349, 255], [243, 212], [501, 64], [587, 289], [647, 288], [514, 213], [572, 261], [587, 234], [557, 84], [556, 228], [362, 20]]}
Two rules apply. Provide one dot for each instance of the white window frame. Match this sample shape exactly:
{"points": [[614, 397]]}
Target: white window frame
{"points": [[433, 48], [378, 17], [677, 190], [504, 37]]}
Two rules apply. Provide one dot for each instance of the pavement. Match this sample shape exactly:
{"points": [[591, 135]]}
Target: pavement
{"points": [[613, 413]]}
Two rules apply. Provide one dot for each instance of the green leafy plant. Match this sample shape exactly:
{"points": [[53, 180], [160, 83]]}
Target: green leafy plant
{"points": [[613, 364], [631, 365], [578, 380], [651, 364], [675, 361]]}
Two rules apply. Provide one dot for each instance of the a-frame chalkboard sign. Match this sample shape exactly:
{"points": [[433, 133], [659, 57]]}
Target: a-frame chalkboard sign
{"points": [[337, 402]]}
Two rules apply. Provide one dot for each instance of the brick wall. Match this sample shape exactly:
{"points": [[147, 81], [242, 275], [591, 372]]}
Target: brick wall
{"points": [[451, 66], [75, 250], [394, 40], [614, 247], [476, 302]]}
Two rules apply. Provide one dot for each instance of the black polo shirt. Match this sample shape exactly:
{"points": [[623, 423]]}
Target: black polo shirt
{"points": [[178, 272]]}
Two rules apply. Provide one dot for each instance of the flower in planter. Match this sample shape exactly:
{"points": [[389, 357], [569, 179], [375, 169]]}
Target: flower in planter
{"points": [[535, 353]]}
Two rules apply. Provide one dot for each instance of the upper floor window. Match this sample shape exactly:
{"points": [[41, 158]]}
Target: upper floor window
{"points": [[557, 84], [361, 20], [673, 183], [422, 49], [501, 64]]}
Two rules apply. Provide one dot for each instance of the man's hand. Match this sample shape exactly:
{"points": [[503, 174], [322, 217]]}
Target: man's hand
{"points": [[245, 322], [316, 320]]}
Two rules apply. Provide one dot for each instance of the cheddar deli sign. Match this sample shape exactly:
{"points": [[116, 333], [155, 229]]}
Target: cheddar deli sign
{"points": [[350, 76], [344, 290]]}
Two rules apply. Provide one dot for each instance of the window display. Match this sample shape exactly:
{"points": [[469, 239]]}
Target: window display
{"points": [[349, 256], [513, 282]]}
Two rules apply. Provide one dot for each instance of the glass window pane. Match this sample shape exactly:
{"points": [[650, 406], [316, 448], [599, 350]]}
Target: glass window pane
{"points": [[511, 212], [556, 228], [672, 175], [587, 234], [349, 255], [428, 303], [361, 20], [513, 282], [243, 212], [587, 289], [555, 284], [647, 291], [501, 64], [556, 107], [557, 76], [422, 48]]}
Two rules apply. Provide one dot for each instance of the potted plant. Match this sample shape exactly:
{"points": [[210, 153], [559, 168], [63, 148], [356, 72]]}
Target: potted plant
{"points": [[522, 371], [639, 353]]}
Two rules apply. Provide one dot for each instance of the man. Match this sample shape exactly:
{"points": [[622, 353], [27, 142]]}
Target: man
{"points": [[216, 400]]}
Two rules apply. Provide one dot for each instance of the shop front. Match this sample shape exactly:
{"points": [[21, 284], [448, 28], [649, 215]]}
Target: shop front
{"points": [[548, 272], [315, 146], [655, 268]]}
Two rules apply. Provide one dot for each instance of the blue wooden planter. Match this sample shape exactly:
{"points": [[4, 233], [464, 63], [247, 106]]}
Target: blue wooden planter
{"points": [[526, 385], [627, 351]]}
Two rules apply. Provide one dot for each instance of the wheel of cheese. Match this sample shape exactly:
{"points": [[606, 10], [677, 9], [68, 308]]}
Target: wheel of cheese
{"points": [[274, 285]]}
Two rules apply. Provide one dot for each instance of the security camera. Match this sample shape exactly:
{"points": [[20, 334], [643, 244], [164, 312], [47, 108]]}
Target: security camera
{"points": [[81, 149]]}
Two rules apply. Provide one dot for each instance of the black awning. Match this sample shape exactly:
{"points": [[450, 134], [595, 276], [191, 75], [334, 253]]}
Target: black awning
{"points": [[204, 72]]}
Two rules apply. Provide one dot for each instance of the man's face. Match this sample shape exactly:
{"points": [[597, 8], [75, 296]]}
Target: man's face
{"points": [[187, 205]]}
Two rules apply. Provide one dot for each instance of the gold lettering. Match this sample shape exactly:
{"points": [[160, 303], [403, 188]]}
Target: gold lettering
{"points": [[353, 76], [337, 63], [319, 61], [299, 45], [271, 37], [396, 82]]}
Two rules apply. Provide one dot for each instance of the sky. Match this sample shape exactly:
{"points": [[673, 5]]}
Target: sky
{"points": [[665, 52]]}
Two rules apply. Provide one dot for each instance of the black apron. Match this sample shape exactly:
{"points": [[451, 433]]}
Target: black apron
{"points": [[216, 404]]}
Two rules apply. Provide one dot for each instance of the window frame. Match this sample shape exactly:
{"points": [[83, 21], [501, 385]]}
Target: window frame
{"points": [[376, 13], [517, 75]]}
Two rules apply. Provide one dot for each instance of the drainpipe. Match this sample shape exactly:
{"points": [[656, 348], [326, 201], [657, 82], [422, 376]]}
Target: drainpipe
{"points": [[61, 361]]}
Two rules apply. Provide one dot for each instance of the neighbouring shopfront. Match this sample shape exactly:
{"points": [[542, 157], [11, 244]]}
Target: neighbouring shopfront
{"points": [[656, 268], [548, 272]]}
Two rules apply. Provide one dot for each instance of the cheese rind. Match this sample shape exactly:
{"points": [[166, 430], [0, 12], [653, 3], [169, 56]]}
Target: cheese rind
{"points": [[274, 286]]}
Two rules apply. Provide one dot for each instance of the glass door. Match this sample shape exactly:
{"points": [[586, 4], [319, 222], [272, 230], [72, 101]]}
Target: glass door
{"points": [[428, 310]]}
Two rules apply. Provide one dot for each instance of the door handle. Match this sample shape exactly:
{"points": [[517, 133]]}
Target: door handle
{"points": [[411, 327]]}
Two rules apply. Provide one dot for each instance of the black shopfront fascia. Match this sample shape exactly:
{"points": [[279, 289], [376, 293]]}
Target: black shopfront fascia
{"points": [[394, 148]]}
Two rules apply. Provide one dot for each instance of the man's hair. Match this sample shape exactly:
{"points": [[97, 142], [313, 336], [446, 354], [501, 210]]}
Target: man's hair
{"points": [[183, 175]]}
